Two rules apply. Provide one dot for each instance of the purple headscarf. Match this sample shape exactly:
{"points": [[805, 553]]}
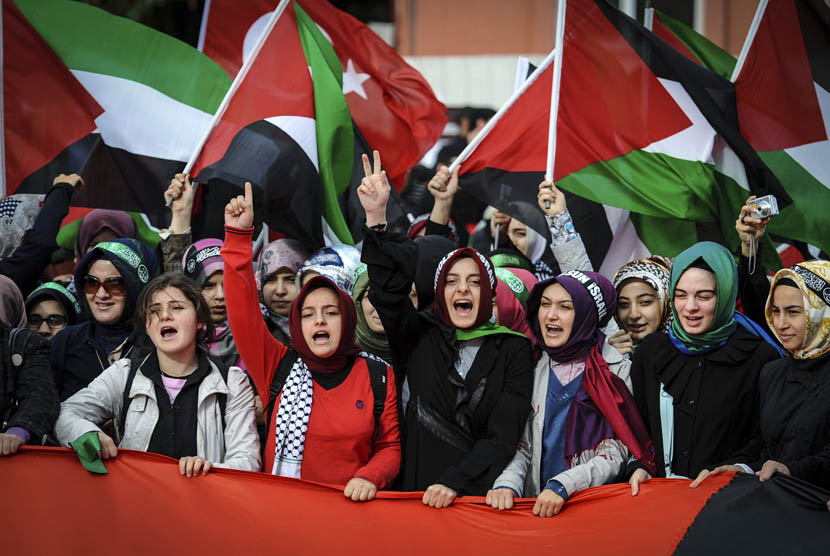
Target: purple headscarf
{"points": [[121, 223], [595, 301]]}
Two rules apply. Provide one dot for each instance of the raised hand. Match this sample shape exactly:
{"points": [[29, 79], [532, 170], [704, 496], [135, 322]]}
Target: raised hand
{"points": [[239, 212], [444, 186], [551, 200], [373, 191], [179, 196], [749, 227], [74, 180]]}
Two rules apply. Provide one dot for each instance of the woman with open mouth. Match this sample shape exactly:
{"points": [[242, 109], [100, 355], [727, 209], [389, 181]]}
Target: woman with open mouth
{"points": [[585, 421], [642, 301], [331, 414], [697, 386], [794, 438], [108, 279], [469, 379], [171, 399]]}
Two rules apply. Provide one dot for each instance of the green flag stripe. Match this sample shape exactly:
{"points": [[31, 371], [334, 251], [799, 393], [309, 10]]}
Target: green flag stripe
{"points": [[79, 33], [709, 54], [335, 135]]}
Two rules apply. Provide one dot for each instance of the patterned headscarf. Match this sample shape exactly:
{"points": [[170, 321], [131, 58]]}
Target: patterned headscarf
{"points": [[511, 294], [337, 263], [813, 279], [202, 260], [654, 271], [488, 285], [134, 262], [421, 222], [289, 254]]}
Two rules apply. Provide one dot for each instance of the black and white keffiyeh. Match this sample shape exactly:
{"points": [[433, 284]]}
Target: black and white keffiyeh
{"points": [[291, 423]]}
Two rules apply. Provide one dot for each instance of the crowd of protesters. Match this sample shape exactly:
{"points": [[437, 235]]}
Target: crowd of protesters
{"points": [[414, 362]]}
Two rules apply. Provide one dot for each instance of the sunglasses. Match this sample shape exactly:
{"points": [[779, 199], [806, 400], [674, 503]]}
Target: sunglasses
{"points": [[113, 286], [52, 321]]}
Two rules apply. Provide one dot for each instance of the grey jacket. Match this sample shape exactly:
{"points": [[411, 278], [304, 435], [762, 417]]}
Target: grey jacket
{"points": [[237, 448], [592, 467]]}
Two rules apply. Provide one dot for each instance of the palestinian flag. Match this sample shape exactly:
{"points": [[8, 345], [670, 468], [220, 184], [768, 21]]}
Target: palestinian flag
{"points": [[45, 108], [248, 512], [157, 94], [783, 103], [639, 127], [391, 104]]}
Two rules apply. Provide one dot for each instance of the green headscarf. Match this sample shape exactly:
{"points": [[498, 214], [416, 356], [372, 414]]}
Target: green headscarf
{"points": [[722, 264], [368, 340]]}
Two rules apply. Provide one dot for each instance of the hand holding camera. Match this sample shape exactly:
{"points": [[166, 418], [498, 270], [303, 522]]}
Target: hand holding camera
{"points": [[752, 222]]}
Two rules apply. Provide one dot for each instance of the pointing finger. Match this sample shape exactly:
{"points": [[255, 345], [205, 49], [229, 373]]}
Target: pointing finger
{"points": [[249, 194]]}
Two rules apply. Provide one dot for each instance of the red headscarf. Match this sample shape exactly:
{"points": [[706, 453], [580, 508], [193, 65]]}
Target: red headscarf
{"points": [[511, 313], [488, 285], [346, 348]]}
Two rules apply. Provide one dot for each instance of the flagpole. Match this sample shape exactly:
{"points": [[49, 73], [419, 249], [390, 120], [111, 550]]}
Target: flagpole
{"points": [[750, 36], [471, 146], [554, 90], [243, 71], [648, 18]]}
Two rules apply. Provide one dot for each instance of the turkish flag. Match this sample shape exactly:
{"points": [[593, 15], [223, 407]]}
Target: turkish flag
{"points": [[390, 102]]}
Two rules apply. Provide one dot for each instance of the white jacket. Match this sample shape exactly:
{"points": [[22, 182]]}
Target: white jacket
{"points": [[237, 448], [592, 467]]}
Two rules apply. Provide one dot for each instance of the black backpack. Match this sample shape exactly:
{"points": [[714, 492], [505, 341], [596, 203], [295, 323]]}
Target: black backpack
{"points": [[377, 378], [136, 358], [15, 361]]}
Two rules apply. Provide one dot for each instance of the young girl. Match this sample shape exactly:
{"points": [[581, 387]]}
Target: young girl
{"points": [[327, 419], [173, 400]]}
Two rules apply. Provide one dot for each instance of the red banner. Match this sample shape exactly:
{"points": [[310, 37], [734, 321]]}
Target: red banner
{"points": [[52, 505]]}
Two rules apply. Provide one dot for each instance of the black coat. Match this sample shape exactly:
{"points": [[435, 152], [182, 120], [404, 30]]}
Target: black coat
{"points": [[30, 384], [795, 419], [458, 432], [716, 405], [76, 358]]}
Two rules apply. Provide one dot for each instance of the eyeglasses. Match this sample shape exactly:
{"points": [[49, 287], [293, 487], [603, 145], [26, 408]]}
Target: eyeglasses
{"points": [[52, 321], [113, 286]]}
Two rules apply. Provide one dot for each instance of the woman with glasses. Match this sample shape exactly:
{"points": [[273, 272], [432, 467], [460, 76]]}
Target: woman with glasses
{"points": [[50, 309], [109, 279]]}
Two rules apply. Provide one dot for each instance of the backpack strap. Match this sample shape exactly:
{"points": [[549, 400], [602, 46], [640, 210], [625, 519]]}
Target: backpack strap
{"points": [[377, 378], [280, 376], [136, 359], [223, 398]]}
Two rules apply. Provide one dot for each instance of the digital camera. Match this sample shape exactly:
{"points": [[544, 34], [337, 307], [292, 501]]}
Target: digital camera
{"points": [[765, 207]]}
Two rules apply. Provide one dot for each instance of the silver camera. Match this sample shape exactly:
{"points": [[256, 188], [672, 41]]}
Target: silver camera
{"points": [[765, 207]]}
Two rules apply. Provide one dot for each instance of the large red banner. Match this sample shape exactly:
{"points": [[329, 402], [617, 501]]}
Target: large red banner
{"points": [[52, 505]]}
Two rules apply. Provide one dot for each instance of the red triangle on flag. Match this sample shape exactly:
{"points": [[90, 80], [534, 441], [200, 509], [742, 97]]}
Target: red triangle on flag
{"points": [[610, 103], [45, 108], [777, 103], [277, 84], [671, 39]]}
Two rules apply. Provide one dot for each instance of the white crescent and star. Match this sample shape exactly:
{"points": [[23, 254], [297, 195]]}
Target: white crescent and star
{"points": [[352, 79]]}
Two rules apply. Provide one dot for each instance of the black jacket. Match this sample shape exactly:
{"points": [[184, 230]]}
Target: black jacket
{"points": [[26, 263], [716, 405], [795, 419], [76, 359], [29, 384], [458, 432]]}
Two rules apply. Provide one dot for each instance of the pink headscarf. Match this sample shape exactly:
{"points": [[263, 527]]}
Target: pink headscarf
{"points": [[12, 307]]}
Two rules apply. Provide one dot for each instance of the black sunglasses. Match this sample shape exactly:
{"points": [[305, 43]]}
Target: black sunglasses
{"points": [[113, 286], [52, 321]]}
